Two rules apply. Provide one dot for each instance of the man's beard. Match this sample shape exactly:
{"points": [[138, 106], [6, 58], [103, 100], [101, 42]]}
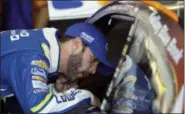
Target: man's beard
{"points": [[74, 62]]}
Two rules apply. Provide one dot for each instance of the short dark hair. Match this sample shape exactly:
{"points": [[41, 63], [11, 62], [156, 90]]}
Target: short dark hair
{"points": [[65, 38]]}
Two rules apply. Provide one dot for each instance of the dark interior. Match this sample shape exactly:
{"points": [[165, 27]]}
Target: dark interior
{"points": [[116, 32]]}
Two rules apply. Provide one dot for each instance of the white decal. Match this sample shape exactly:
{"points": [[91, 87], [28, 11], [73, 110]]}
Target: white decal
{"points": [[39, 84], [38, 90], [122, 7], [87, 37], [3, 89], [15, 36], [67, 97], [24, 33], [175, 53], [155, 21], [169, 43], [38, 71], [163, 34]]}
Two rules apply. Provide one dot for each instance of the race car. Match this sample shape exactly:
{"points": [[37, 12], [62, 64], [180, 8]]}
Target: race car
{"points": [[152, 36]]}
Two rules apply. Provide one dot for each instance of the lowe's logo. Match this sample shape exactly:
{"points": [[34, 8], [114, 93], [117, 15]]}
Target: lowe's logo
{"points": [[67, 97]]}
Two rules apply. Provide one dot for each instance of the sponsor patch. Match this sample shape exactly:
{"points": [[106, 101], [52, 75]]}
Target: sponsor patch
{"points": [[122, 7], [42, 79], [87, 37], [40, 63], [38, 71], [67, 97], [38, 90], [39, 84]]}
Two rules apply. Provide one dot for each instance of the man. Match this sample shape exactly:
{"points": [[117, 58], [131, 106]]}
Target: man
{"points": [[29, 56]]}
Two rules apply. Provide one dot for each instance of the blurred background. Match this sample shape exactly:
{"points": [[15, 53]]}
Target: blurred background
{"points": [[29, 14]]}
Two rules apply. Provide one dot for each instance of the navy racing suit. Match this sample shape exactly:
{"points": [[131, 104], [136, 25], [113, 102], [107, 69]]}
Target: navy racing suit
{"points": [[27, 57], [134, 93]]}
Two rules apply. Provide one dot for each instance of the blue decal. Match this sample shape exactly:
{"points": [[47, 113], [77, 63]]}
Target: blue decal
{"points": [[66, 4]]}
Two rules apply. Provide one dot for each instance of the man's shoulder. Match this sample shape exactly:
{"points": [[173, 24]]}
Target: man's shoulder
{"points": [[35, 58], [50, 34], [49, 29]]}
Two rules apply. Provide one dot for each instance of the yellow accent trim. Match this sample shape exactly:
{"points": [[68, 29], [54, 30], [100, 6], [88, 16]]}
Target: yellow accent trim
{"points": [[131, 78], [158, 84], [39, 106], [103, 2], [161, 8], [40, 63], [161, 88], [4, 99], [42, 79], [46, 50], [125, 50]]}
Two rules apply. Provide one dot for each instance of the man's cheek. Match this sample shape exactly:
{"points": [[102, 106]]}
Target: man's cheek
{"points": [[87, 63], [83, 67], [86, 67]]}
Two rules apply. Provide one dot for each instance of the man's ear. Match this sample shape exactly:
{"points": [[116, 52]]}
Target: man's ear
{"points": [[77, 46]]}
